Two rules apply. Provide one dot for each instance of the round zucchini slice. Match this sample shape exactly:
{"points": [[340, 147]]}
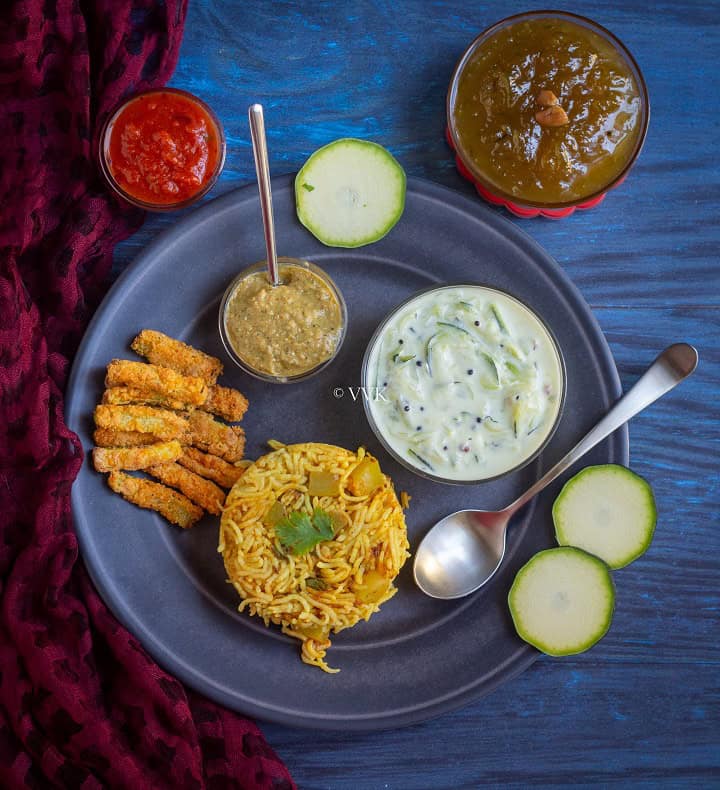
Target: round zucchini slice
{"points": [[562, 601], [608, 511], [350, 193]]}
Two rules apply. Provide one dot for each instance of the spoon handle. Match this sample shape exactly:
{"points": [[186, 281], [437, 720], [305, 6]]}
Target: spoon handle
{"points": [[262, 168], [671, 367]]}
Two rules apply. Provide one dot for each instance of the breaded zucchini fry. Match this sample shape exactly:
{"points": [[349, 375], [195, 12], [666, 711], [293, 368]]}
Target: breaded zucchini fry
{"points": [[170, 353], [123, 396], [109, 437], [160, 422], [214, 437], [202, 492], [175, 507], [226, 402], [152, 378], [108, 458], [211, 467]]}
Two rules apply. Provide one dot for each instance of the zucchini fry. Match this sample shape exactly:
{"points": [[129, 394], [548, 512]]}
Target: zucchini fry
{"points": [[106, 459], [226, 402], [159, 349], [200, 491], [175, 507], [162, 423], [211, 467], [152, 378], [109, 437], [215, 437], [123, 396]]}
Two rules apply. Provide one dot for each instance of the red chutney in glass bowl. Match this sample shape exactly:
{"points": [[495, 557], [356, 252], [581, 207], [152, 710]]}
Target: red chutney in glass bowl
{"points": [[162, 149]]}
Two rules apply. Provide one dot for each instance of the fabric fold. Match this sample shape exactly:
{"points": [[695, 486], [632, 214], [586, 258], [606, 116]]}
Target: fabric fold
{"points": [[82, 705]]}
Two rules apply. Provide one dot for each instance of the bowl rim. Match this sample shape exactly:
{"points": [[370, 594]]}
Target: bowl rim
{"points": [[584, 22], [366, 384], [104, 142], [283, 261]]}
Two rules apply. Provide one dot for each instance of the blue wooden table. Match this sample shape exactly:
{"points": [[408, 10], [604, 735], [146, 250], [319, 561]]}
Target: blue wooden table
{"points": [[642, 708]]}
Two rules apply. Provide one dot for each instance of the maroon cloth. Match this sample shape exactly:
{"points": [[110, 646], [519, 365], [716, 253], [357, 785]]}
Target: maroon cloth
{"points": [[81, 703]]}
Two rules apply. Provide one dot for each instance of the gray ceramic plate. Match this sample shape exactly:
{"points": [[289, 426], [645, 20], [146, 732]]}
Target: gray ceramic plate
{"points": [[417, 657]]}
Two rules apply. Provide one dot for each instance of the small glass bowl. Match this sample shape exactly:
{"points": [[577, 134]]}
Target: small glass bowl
{"points": [[514, 203], [105, 163], [367, 385], [261, 267]]}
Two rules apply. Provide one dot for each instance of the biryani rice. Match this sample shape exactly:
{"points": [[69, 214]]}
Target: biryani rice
{"points": [[340, 581]]}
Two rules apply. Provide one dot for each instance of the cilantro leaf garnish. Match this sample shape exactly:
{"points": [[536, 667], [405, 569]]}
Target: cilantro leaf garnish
{"points": [[323, 522], [309, 187], [299, 532]]}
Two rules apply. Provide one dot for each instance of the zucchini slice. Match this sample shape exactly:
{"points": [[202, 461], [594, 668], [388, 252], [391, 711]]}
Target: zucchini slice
{"points": [[608, 511], [350, 193], [562, 601]]}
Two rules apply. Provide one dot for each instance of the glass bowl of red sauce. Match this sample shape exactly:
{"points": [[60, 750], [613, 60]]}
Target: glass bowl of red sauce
{"points": [[162, 149]]}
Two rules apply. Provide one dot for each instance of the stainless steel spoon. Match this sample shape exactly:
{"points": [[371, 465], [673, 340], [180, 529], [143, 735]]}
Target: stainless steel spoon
{"points": [[262, 168], [463, 551]]}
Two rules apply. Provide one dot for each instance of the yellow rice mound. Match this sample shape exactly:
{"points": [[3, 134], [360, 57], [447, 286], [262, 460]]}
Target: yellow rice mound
{"points": [[350, 575]]}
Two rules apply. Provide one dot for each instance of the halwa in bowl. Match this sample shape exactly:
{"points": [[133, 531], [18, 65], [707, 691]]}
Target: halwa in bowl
{"points": [[546, 110]]}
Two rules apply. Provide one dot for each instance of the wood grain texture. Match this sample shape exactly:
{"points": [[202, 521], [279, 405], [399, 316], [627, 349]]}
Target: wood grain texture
{"points": [[642, 709]]}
